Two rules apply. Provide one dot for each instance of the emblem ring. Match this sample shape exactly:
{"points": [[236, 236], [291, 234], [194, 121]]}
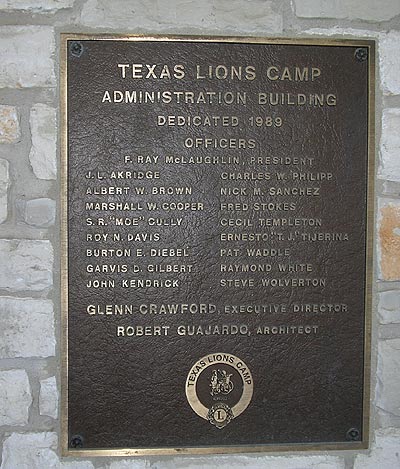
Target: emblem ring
{"points": [[212, 360]]}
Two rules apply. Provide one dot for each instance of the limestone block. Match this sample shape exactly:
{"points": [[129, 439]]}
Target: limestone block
{"points": [[131, 464], [43, 152], [36, 451], [385, 452], [48, 397], [25, 265], [389, 307], [40, 212], [241, 15], [248, 462], [15, 397], [42, 6], [4, 186], [27, 56], [337, 31], [10, 131], [388, 385], [26, 328], [390, 145], [389, 62], [369, 10], [389, 240]]}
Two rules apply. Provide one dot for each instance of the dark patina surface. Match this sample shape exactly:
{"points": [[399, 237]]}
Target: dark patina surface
{"points": [[129, 392]]}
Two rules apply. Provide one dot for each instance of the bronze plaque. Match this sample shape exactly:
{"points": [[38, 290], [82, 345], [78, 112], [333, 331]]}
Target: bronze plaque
{"points": [[216, 244]]}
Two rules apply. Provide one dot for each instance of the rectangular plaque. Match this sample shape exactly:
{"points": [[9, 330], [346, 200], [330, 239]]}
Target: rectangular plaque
{"points": [[216, 237]]}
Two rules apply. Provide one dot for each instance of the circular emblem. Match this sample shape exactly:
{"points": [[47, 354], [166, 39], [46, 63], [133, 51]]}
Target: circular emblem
{"points": [[219, 387]]}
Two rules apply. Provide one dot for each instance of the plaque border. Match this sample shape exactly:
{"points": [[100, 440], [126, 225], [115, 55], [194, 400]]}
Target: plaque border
{"points": [[368, 43]]}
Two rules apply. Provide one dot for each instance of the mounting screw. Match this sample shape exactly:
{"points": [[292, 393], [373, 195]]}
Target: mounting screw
{"points": [[76, 441], [353, 434], [76, 49], [361, 54]]}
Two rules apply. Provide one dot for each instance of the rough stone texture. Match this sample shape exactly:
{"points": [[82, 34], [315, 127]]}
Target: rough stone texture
{"points": [[48, 397], [36, 451], [25, 265], [389, 61], [44, 141], [22, 66], [389, 188], [4, 186], [15, 397], [338, 31], [388, 385], [389, 307], [40, 212], [248, 462], [385, 452], [26, 328], [35, 6], [369, 10], [390, 145], [389, 240], [252, 16], [10, 131], [132, 464]]}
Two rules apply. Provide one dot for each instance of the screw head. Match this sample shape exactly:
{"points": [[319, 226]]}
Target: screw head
{"points": [[353, 434], [76, 441], [361, 54], [76, 48]]}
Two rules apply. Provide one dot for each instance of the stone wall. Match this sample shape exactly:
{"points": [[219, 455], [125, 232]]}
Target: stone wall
{"points": [[29, 209]]}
